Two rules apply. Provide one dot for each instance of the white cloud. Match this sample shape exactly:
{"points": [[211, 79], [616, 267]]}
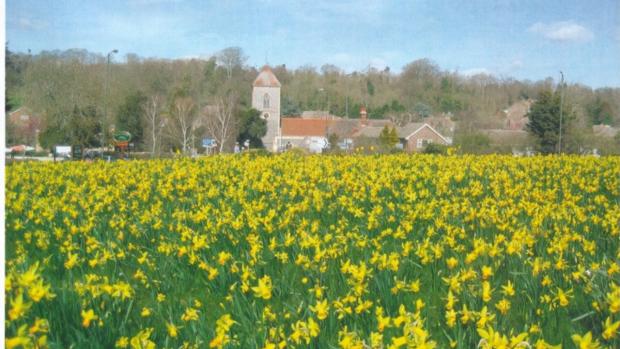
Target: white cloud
{"points": [[516, 64], [562, 31], [31, 24]]}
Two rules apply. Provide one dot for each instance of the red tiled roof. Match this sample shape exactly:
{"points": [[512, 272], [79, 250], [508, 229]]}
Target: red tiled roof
{"points": [[297, 127], [266, 78]]}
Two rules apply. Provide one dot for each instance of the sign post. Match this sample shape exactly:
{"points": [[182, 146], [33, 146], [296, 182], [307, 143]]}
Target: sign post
{"points": [[121, 141], [209, 144]]}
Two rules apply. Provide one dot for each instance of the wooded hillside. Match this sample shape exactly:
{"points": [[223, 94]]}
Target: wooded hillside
{"points": [[61, 83]]}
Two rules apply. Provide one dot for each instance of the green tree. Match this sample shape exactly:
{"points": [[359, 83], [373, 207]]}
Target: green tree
{"points": [[289, 107], [130, 115], [15, 67], [388, 137], [252, 127], [422, 110], [370, 87], [599, 112], [333, 140], [393, 137], [544, 120], [84, 127]]}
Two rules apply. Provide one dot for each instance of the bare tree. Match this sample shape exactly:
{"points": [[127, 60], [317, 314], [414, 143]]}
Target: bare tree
{"points": [[220, 120], [153, 120], [183, 117], [231, 58]]}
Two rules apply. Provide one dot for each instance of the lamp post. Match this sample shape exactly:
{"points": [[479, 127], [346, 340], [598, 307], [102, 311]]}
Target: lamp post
{"points": [[326, 103], [105, 103]]}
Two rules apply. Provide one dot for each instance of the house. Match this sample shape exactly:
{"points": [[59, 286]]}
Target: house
{"points": [[443, 123], [605, 131], [515, 139], [514, 117], [416, 136], [25, 126], [304, 133]]}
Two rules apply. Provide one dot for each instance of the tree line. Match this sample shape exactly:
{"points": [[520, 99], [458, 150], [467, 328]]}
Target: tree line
{"points": [[173, 104]]}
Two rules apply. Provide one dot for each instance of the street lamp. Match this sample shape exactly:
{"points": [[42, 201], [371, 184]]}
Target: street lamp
{"points": [[105, 103], [326, 105]]}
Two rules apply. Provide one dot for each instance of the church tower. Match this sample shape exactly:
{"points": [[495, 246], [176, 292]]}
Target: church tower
{"points": [[266, 98]]}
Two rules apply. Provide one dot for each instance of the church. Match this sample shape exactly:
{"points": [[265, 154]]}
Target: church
{"points": [[266, 99], [311, 129]]}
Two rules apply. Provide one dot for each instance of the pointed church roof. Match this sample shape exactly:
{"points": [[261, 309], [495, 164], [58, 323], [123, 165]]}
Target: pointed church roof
{"points": [[266, 78]]}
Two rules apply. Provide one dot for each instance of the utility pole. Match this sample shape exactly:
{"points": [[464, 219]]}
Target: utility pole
{"points": [[105, 103], [561, 103], [322, 105]]}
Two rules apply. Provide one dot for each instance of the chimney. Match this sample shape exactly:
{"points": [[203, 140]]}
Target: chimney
{"points": [[363, 116]]}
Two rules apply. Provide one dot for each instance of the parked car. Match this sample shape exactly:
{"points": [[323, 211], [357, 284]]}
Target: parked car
{"points": [[93, 154]]}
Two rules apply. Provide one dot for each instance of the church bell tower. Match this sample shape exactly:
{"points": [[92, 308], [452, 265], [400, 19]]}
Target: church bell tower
{"points": [[266, 99]]}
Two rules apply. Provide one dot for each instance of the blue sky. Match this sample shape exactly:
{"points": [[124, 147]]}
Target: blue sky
{"points": [[522, 39]]}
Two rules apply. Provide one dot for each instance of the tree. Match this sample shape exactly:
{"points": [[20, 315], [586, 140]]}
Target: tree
{"points": [[153, 121], [370, 88], [231, 58], [422, 110], [11, 132], [388, 137], [544, 120], [220, 120], [599, 112], [53, 135], [183, 117], [129, 116], [289, 108], [84, 127], [15, 67], [251, 127], [333, 140], [393, 137]]}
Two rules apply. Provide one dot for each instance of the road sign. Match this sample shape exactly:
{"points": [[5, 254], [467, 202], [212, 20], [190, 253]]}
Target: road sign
{"points": [[122, 136], [208, 142]]}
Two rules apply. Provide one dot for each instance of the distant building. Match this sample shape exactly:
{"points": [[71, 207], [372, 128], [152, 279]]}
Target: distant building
{"points": [[311, 129], [416, 136], [443, 123], [25, 126], [310, 134], [515, 116], [605, 131], [514, 139], [266, 98]]}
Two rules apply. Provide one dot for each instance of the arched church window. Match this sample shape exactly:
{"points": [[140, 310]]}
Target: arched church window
{"points": [[266, 101]]}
